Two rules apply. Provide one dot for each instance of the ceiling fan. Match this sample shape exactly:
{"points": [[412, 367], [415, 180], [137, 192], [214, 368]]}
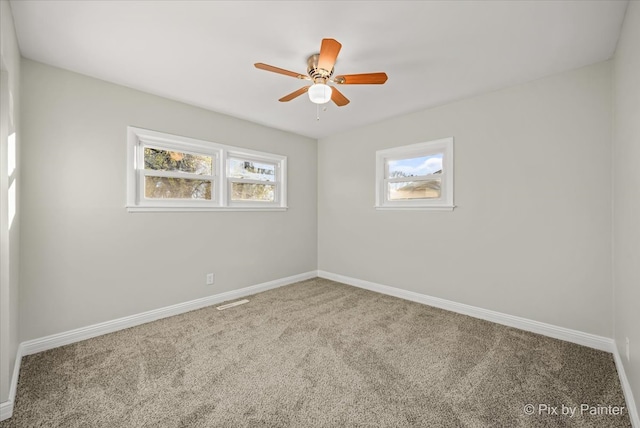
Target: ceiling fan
{"points": [[320, 72]]}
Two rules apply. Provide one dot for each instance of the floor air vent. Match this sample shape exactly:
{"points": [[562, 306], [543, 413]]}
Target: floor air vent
{"points": [[231, 305]]}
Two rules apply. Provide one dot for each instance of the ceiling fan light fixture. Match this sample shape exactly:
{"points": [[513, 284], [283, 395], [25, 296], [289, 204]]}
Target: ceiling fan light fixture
{"points": [[319, 93], [320, 71]]}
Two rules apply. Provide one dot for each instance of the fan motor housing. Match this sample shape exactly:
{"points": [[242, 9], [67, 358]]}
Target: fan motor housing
{"points": [[317, 73]]}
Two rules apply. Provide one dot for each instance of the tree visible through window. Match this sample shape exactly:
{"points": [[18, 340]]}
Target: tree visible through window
{"points": [[252, 180], [169, 172], [187, 165]]}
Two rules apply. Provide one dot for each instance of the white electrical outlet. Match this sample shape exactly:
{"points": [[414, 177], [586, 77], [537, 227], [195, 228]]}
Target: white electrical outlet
{"points": [[627, 350], [210, 279]]}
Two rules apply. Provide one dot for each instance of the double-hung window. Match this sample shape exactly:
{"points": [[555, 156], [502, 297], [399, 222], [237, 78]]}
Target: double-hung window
{"points": [[252, 180], [173, 173], [418, 176]]}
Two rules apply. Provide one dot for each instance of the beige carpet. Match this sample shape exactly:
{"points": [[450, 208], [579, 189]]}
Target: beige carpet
{"points": [[317, 354]]}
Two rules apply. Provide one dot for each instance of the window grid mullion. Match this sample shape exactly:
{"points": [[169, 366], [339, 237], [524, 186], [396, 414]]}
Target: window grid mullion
{"points": [[249, 181], [416, 178], [176, 174]]}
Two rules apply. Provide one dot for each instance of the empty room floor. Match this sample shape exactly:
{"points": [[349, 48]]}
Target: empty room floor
{"points": [[319, 354]]}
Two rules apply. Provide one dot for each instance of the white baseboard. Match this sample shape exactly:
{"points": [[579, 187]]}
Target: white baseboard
{"points": [[574, 336], [65, 338], [569, 335], [626, 389], [6, 407], [72, 336], [562, 333]]}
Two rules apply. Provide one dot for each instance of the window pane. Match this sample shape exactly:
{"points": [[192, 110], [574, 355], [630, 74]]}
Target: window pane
{"points": [[252, 192], [429, 189], [239, 168], [176, 188], [415, 167], [166, 160]]}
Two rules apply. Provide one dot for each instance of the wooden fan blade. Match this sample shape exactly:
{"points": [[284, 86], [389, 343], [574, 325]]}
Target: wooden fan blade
{"points": [[338, 98], [361, 79], [273, 69], [328, 54], [294, 94]]}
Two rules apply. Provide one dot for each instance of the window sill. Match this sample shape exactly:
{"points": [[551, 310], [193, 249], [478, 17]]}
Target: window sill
{"points": [[409, 208], [196, 209]]}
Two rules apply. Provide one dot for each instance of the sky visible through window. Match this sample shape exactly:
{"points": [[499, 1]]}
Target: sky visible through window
{"points": [[414, 167]]}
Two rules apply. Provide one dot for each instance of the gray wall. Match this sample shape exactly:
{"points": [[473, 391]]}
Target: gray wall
{"points": [[531, 235], [85, 259], [626, 177], [9, 253]]}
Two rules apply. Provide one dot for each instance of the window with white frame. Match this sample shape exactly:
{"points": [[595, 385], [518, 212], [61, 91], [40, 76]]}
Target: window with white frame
{"points": [[417, 176], [251, 179], [173, 173]]}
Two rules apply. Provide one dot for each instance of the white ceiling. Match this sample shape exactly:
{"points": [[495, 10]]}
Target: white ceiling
{"points": [[202, 52]]}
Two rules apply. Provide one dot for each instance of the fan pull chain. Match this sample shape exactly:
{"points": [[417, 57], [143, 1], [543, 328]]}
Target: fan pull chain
{"points": [[318, 111]]}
